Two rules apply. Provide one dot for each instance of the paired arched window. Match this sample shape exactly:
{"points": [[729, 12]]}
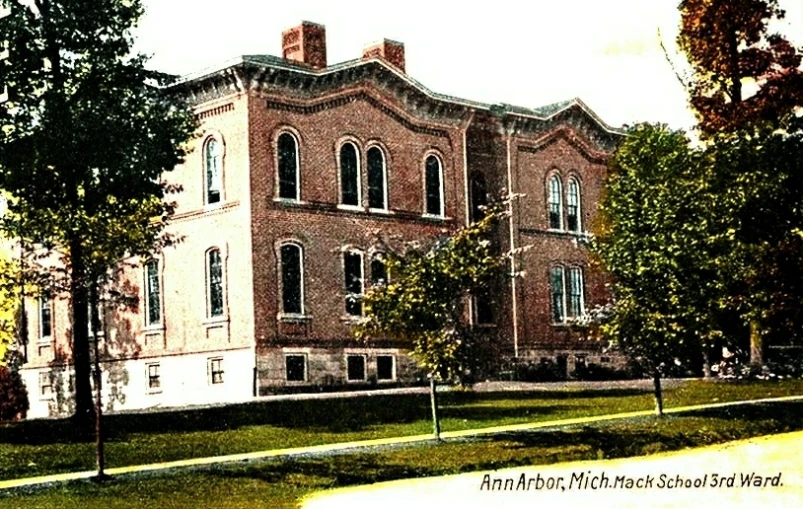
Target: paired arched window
{"points": [[289, 167], [213, 166], [153, 294], [567, 293], [555, 203], [377, 179], [433, 185], [573, 206], [292, 278], [349, 175], [214, 271]]}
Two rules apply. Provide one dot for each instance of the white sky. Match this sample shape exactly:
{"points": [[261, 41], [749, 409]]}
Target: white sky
{"points": [[606, 52]]}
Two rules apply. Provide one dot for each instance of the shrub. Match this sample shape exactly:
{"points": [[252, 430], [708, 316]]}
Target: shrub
{"points": [[544, 371], [597, 372], [13, 395]]}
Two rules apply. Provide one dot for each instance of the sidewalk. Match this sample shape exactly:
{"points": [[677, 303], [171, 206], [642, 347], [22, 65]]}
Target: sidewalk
{"points": [[364, 444]]}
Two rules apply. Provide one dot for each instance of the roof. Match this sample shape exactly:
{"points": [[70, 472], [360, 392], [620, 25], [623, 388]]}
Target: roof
{"points": [[539, 113]]}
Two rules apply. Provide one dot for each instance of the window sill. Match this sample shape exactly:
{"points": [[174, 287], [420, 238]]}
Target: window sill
{"points": [[153, 391], [386, 381], [216, 320], [351, 318], [356, 381], [380, 211], [353, 208], [296, 382], [289, 201], [435, 217], [45, 340], [291, 317], [484, 325], [154, 328]]}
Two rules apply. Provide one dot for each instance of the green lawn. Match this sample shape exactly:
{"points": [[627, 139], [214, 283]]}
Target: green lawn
{"points": [[42, 447], [280, 484]]}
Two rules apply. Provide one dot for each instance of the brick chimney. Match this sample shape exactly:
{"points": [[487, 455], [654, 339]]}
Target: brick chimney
{"points": [[391, 52], [305, 44]]}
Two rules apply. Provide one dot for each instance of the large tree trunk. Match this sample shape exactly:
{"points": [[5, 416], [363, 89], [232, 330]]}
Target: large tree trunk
{"points": [[658, 393], [99, 453], [433, 398], [707, 373], [84, 407]]}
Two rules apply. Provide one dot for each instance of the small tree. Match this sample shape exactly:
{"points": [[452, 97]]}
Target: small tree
{"points": [[423, 301], [657, 237], [13, 395]]}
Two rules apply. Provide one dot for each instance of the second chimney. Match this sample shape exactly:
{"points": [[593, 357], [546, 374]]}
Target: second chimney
{"points": [[305, 44], [391, 52]]}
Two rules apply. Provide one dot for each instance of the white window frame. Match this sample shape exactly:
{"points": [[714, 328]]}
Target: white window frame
{"points": [[211, 370], [42, 301], [353, 251], [392, 368], [364, 368], [215, 137], [147, 293], [442, 184], [306, 368], [51, 393], [358, 157], [574, 182], [385, 201], [295, 138], [150, 389], [302, 290], [208, 281]]}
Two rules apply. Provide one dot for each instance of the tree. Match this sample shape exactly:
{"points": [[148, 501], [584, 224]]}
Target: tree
{"points": [[85, 135], [740, 73], [742, 77], [13, 396], [657, 238], [423, 301]]}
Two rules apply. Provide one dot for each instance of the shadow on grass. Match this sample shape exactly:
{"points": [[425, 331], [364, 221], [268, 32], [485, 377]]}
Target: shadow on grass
{"points": [[326, 415]]}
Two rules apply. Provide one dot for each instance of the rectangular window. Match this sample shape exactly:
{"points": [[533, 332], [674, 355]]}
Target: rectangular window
{"points": [[216, 370], [483, 308], [384, 367], [352, 266], [45, 319], [556, 289], [292, 300], [154, 377], [296, 368], [45, 386], [356, 368], [153, 313], [379, 271], [575, 277]]}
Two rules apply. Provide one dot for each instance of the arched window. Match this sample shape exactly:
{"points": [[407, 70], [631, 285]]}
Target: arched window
{"points": [[292, 268], [555, 202], [289, 174], [213, 155], [479, 197], [433, 171], [379, 271], [214, 264], [349, 175], [573, 206], [377, 179], [353, 278], [153, 294], [558, 294]]}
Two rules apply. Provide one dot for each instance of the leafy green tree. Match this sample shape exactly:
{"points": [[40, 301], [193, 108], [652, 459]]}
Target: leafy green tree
{"points": [[657, 238], [423, 301], [85, 134]]}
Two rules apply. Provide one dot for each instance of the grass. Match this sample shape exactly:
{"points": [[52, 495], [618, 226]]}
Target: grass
{"points": [[281, 484], [40, 447]]}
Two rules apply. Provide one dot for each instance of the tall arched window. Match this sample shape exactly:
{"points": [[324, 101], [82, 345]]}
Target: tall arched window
{"points": [[214, 170], [377, 179], [289, 174], [292, 268], [379, 271], [215, 282], [433, 175], [479, 197], [573, 206], [555, 202], [349, 175], [153, 294], [557, 289], [353, 278]]}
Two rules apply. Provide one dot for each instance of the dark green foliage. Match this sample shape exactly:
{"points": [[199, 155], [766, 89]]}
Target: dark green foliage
{"points": [[13, 395]]}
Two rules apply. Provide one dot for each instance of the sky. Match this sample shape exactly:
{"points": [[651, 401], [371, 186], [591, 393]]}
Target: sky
{"points": [[606, 52]]}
